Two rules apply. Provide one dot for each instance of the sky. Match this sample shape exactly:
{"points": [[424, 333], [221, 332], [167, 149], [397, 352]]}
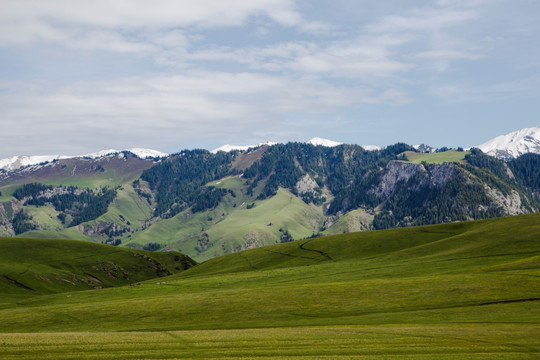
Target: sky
{"points": [[81, 76]]}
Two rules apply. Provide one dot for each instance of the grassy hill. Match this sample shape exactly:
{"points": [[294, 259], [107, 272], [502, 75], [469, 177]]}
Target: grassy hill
{"points": [[31, 267], [453, 291], [232, 226]]}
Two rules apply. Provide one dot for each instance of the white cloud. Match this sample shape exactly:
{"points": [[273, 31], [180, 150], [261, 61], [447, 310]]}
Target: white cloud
{"points": [[202, 69], [365, 56], [68, 22], [155, 14], [199, 104], [423, 20], [448, 55]]}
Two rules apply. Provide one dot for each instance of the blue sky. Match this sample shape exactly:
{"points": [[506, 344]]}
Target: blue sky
{"points": [[81, 76]]}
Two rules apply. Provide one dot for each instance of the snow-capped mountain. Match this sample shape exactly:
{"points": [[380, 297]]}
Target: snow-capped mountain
{"points": [[139, 152], [228, 147], [513, 144], [317, 141], [16, 162]]}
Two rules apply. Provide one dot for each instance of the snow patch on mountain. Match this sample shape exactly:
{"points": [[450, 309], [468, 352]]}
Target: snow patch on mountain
{"points": [[228, 147], [16, 162], [513, 144], [139, 152], [371, 147], [317, 141]]}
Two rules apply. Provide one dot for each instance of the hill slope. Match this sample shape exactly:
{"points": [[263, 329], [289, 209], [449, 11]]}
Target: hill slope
{"points": [[31, 267], [464, 290]]}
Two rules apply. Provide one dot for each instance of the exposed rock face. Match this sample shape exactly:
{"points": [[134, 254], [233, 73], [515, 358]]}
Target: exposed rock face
{"points": [[306, 185], [511, 203], [436, 175], [441, 173], [395, 172]]}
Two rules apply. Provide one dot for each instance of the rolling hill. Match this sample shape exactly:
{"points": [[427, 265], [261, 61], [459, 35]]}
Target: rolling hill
{"points": [[32, 267], [461, 290]]}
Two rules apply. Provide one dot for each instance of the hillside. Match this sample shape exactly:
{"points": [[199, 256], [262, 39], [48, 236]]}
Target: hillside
{"points": [[207, 204], [31, 267], [463, 290]]}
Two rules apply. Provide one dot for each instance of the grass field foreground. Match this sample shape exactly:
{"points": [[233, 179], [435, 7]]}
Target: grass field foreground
{"points": [[462, 290]]}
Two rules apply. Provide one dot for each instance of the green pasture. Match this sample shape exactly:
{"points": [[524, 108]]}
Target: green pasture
{"points": [[466, 290], [436, 158], [452, 342]]}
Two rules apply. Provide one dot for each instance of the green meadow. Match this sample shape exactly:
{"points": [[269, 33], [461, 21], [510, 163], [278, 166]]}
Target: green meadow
{"points": [[436, 158], [466, 290]]}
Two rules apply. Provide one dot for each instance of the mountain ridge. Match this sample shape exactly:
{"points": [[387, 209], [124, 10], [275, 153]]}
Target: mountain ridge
{"points": [[508, 146], [19, 161]]}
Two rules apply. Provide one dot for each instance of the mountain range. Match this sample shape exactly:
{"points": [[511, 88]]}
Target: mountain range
{"points": [[506, 146], [210, 203]]}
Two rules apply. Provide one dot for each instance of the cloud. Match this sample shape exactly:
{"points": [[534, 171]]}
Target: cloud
{"points": [[177, 71], [467, 92], [423, 20], [198, 104], [83, 24], [364, 56], [448, 55]]}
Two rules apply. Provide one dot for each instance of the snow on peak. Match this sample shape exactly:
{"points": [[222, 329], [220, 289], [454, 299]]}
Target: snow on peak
{"points": [[139, 152], [513, 144], [371, 147], [16, 162], [146, 153], [317, 141], [228, 147]]}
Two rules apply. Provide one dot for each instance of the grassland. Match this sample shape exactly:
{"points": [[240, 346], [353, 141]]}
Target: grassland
{"points": [[33, 267], [454, 291], [436, 158], [345, 342]]}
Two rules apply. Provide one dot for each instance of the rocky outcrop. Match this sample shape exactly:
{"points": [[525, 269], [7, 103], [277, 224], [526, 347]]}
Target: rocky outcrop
{"points": [[306, 185], [439, 174], [434, 176], [395, 172], [511, 203]]}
